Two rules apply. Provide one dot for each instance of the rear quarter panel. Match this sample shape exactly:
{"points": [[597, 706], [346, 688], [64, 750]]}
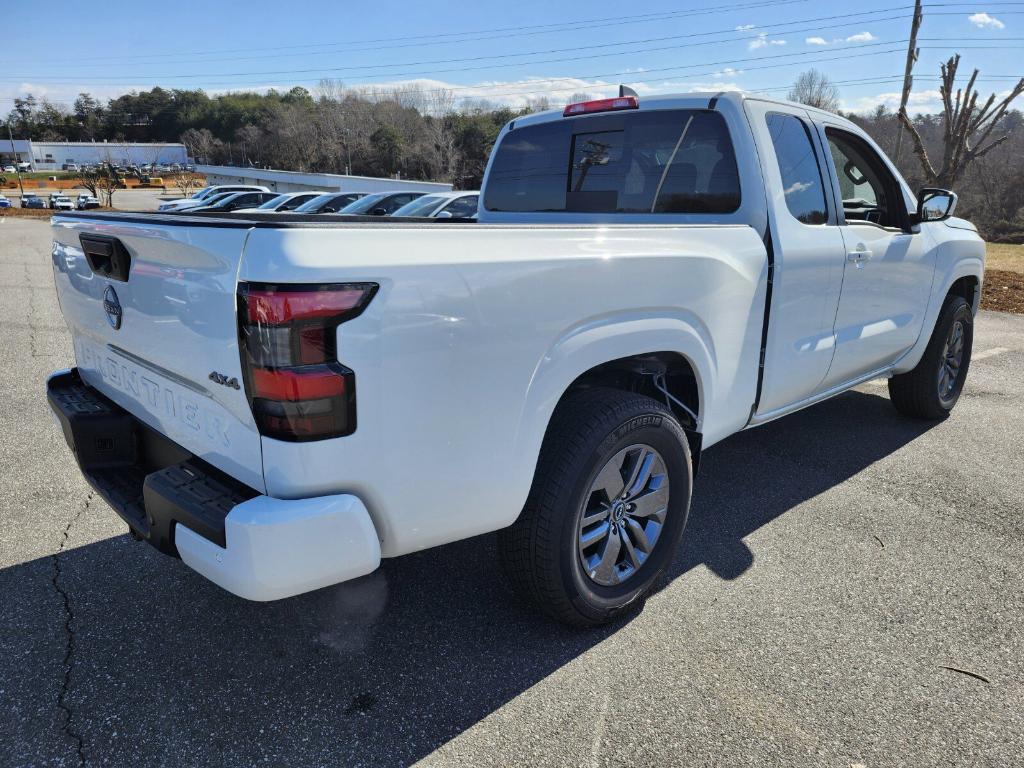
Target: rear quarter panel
{"points": [[475, 334]]}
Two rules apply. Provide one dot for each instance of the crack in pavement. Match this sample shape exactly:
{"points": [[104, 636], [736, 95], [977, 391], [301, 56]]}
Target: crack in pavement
{"points": [[69, 633], [31, 315]]}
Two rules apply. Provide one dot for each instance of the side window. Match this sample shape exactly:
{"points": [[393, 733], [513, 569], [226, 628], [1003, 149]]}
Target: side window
{"points": [[397, 202], [801, 175], [869, 191], [462, 208]]}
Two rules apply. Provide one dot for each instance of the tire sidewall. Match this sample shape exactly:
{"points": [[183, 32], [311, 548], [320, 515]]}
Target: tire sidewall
{"points": [[659, 430], [957, 309]]}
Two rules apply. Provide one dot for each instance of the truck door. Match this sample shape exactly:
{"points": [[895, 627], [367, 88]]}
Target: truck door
{"points": [[888, 270], [808, 254]]}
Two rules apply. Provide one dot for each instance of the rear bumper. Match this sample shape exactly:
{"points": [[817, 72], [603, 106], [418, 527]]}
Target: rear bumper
{"points": [[255, 546]]}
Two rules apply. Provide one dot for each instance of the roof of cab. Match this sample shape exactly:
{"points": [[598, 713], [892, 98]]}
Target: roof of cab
{"points": [[693, 100]]}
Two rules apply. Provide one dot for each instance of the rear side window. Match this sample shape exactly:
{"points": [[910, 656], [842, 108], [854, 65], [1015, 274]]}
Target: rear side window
{"points": [[798, 165], [678, 161]]}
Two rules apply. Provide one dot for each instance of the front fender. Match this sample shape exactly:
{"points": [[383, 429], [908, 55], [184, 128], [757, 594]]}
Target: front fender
{"points": [[962, 254]]}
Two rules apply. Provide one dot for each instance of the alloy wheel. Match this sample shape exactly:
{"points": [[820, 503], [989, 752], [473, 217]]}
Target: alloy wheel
{"points": [[623, 515]]}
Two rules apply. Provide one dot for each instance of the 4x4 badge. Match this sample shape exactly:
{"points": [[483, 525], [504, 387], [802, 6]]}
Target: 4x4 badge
{"points": [[223, 380]]}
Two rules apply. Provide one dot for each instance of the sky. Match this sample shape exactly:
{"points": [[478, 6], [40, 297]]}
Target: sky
{"points": [[505, 52]]}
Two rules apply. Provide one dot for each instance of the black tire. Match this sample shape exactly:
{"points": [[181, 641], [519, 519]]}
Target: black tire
{"points": [[919, 393], [540, 552]]}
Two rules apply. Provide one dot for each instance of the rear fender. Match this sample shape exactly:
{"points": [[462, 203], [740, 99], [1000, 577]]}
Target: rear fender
{"points": [[602, 340]]}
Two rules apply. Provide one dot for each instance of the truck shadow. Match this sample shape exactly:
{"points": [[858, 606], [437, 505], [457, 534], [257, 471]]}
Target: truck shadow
{"points": [[389, 668]]}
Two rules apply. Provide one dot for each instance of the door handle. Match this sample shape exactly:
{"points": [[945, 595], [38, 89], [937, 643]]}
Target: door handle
{"points": [[862, 254]]}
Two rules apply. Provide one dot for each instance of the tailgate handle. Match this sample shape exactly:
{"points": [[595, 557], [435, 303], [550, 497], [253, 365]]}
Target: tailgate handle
{"points": [[107, 256]]}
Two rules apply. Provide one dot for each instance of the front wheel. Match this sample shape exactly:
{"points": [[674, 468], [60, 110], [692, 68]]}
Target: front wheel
{"points": [[932, 388], [606, 511]]}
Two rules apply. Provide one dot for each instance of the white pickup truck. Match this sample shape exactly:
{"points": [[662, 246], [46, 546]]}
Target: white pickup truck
{"points": [[282, 401]]}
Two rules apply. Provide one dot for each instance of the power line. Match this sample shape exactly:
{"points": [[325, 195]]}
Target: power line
{"points": [[322, 73], [573, 49], [761, 29], [442, 38], [510, 32], [517, 88]]}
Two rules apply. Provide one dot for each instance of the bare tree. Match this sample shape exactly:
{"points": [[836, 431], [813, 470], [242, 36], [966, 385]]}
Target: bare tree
{"points": [[249, 144], [538, 104], [89, 181], [201, 144], [814, 89], [967, 127], [184, 182]]}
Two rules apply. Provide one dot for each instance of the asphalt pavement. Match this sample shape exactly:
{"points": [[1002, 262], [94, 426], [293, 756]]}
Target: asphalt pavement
{"points": [[849, 593], [124, 199]]}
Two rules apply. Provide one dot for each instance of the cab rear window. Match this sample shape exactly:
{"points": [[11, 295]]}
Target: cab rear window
{"points": [[673, 161]]}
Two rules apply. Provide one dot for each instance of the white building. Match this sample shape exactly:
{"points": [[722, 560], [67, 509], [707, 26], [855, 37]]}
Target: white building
{"points": [[53, 155], [295, 181]]}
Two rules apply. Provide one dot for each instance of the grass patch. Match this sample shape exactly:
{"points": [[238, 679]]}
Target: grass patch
{"points": [[1006, 257]]}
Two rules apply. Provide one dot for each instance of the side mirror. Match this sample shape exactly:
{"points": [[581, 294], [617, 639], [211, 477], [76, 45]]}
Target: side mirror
{"points": [[444, 215], [935, 204], [379, 212]]}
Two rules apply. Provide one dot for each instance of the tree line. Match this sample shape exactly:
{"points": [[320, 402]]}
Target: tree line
{"points": [[424, 134]]}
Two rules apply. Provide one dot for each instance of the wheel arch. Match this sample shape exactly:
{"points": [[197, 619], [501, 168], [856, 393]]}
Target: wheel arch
{"points": [[963, 277], [624, 353]]}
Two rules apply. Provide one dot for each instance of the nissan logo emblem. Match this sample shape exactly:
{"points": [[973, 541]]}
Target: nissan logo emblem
{"points": [[112, 307]]}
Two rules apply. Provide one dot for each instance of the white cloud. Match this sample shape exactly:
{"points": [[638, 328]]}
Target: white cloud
{"points": [[514, 93], [984, 21], [762, 41], [745, 27], [859, 37], [920, 101]]}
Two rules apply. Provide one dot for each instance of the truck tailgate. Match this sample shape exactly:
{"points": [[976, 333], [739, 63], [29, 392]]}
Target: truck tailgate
{"points": [[162, 343]]}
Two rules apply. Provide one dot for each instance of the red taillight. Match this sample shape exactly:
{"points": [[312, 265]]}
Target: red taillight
{"points": [[601, 105], [296, 385]]}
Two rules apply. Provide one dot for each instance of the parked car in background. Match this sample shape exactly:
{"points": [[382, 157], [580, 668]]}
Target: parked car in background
{"points": [[24, 167], [380, 204], [62, 203], [329, 202], [442, 205], [234, 201], [33, 201], [69, 167], [209, 201], [86, 201], [10, 169], [287, 201], [202, 196], [4, 202]]}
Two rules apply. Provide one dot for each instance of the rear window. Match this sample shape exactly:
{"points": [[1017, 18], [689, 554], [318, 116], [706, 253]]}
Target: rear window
{"points": [[678, 161]]}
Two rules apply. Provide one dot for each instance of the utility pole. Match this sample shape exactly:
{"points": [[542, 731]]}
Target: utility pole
{"points": [[908, 78], [17, 169]]}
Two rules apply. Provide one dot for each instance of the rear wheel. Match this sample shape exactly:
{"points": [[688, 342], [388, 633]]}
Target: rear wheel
{"points": [[932, 388], [606, 511]]}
